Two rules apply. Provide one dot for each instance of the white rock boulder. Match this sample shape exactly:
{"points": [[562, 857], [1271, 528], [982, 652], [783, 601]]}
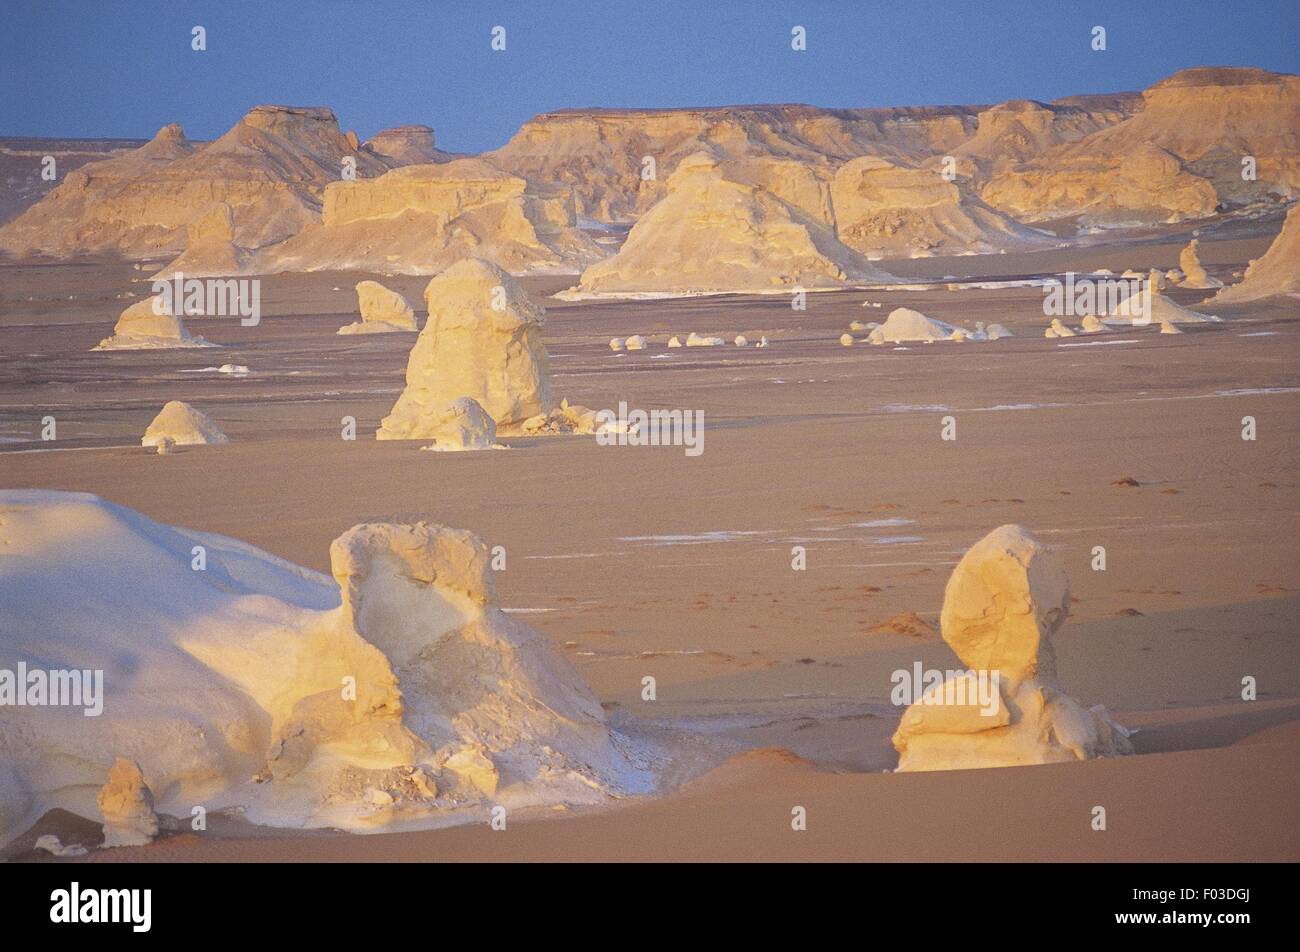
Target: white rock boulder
{"points": [[179, 424], [1003, 603]]}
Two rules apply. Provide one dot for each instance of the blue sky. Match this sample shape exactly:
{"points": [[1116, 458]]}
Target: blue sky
{"points": [[125, 67]]}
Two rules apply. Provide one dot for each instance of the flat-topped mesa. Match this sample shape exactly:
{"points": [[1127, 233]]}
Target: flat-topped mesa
{"points": [[712, 234], [1276, 273], [886, 210], [405, 145], [1003, 603], [600, 154], [419, 219], [1178, 157], [483, 340]]}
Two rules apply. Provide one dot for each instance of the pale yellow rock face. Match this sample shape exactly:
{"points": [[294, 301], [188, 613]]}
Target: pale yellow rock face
{"points": [[382, 311], [462, 425], [1173, 160], [405, 145], [600, 154], [126, 804], [483, 340], [1003, 603], [885, 210], [1277, 272], [182, 425], [1194, 273], [210, 249], [149, 325], [421, 219], [270, 168], [1005, 599], [713, 234]]}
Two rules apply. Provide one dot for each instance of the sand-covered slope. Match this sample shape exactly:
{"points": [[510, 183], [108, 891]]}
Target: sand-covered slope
{"points": [[886, 210], [422, 218], [398, 691], [270, 168], [1276, 272], [712, 234], [1178, 158]]}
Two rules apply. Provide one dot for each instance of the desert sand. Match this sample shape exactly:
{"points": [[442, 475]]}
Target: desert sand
{"points": [[761, 709]]}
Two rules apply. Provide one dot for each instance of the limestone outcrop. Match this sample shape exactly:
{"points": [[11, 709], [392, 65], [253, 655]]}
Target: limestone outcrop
{"points": [[483, 340], [885, 210], [1277, 272], [420, 219], [179, 424], [150, 325], [382, 311], [1003, 603], [711, 234]]}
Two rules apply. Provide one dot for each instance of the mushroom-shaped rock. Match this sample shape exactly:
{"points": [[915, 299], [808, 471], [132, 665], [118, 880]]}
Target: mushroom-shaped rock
{"points": [[126, 804], [1005, 599], [179, 424], [382, 311]]}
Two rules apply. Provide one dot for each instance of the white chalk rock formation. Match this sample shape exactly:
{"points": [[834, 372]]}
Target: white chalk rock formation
{"points": [[261, 686], [710, 233], [179, 424], [616, 343], [1005, 599], [886, 210], [150, 325], [1092, 325], [905, 324], [846, 340], [695, 340], [1168, 328], [997, 332], [1194, 273], [1059, 329], [635, 342], [674, 341], [483, 340], [1144, 308], [1276, 273], [126, 804], [382, 311], [741, 340], [462, 425]]}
